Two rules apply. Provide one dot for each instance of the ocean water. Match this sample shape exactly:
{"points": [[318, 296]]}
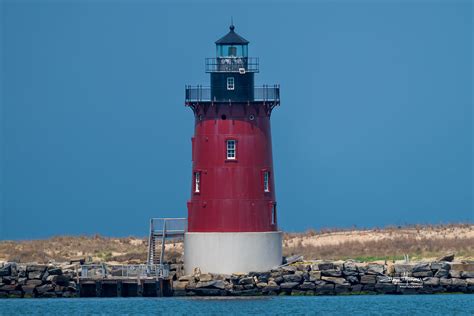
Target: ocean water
{"points": [[455, 304]]}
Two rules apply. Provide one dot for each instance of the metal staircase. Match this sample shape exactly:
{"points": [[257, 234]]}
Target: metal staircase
{"points": [[161, 230]]}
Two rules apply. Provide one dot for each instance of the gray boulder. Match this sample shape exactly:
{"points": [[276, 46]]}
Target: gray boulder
{"points": [[205, 277], [319, 282], [368, 288], [314, 275], [327, 288], [307, 286], [431, 281], [448, 257], [5, 271], [9, 287], [34, 282], [292, 278], [303, 267], [289, 285], [72, 286], [442, 273], [384, 279], [362, 270], [403, 269], [202, 284], [368, 279], [44, 288], [179, 285], [454, 274], [54, 271], [7, 279], [385, 288], [325, 266], [445, 281], [374, 268], [36, 267], [352, 279], [247, 280], [209, 292], [342, 288], [263, 277], [58, 279], [289, 269], [421, 267], [350, 266], [335, 280], [28, 289], [350, 273], [271, 286], [22, 280], [439, 266], [467, 274], [278, 279], [422, 274], [21, 271], [219, 284], [186, 278], [459, 282], [14, 269], [35, 275], [332, 272]]}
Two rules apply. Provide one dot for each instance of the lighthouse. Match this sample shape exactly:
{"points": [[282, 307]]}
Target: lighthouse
{"points": [[232, 212]]}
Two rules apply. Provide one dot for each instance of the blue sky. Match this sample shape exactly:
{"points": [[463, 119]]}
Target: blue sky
{"points": [[375, 126]]}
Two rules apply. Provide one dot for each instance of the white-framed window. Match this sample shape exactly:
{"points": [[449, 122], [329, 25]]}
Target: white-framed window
{"points": [[274, 213], [231, 149], [197, 182], [266, 181], [230, 83]]}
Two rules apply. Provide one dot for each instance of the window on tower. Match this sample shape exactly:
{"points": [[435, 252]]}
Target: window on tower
{"points": [[230, 83], [274, 213], [266, 181], [231, 149], [197, 182]]}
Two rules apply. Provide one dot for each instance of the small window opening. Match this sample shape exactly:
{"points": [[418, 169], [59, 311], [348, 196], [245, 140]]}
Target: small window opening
{"points": [[197, 182], [231, 149], [232, 51], [230, 83], [266, 178], [274, 213]]}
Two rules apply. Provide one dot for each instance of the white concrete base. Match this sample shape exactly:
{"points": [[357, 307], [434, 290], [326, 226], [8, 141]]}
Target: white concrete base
{"points": [[226, 253]]}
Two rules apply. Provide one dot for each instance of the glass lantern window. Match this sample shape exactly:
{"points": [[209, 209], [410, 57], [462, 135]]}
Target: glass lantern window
{"points": [[232, 50]]}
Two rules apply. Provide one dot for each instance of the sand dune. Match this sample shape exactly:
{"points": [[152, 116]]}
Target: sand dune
{"points": [[421, 241]]}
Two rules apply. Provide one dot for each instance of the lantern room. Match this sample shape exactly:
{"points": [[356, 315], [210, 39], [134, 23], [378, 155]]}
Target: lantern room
{"points": [[232, 45]]}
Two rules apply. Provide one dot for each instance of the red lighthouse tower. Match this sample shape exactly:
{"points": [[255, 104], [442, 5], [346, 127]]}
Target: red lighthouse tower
{"points": [[232, 214]]}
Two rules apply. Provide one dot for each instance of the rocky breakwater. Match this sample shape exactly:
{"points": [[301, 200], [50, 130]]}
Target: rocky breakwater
{"points": [[19, 280], [332, 278]]}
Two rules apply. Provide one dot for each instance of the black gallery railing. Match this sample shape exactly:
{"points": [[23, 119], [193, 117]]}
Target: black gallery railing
{"points": [[232, 64], [265, 93]]}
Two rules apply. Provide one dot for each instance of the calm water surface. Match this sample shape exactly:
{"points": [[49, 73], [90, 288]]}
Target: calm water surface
{"points": [[457, 304]]}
